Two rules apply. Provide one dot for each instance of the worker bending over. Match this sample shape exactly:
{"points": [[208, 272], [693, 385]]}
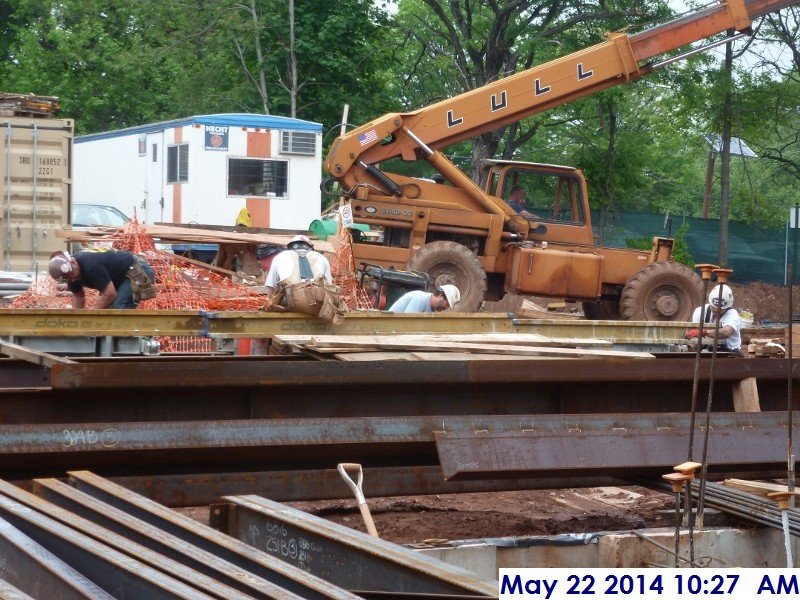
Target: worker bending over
{"points": [[730, 323], [418, 301], [122, 278], [299, 280]]}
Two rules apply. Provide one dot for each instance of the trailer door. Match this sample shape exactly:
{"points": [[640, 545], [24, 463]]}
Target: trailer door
{"points": [[153, 204]]}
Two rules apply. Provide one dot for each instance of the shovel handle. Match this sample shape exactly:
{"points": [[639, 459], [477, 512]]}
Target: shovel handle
{"points": [[355, 486]]}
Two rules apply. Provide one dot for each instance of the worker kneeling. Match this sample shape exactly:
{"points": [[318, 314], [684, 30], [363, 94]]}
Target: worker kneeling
{"points": [[418, 301], [299, 280], [123, 279], [720, 306]]}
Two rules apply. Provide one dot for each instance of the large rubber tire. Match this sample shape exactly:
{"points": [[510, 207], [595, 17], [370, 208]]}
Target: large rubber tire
{"points": [[602, 310], [661, 291], [450, 262]]}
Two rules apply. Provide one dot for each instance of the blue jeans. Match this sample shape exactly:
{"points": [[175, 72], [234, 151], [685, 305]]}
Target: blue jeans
{"points": [[125, 292]]}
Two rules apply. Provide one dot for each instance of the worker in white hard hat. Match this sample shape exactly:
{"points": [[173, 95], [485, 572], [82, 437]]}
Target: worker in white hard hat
{"points": [[299, 262], [720, 306], [417, 301], [299, 280]]}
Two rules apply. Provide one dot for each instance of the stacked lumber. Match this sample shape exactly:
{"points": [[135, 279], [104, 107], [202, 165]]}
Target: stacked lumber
{"points": [[172, 233], [27, 105], [473, 346], [554, 310], [766, 347]]}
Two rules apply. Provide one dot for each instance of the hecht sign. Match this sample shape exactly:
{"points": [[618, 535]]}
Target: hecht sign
{"points": [[216, 137]]}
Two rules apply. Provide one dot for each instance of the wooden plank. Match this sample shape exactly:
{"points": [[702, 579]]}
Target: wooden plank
{"points": [[205, 265], [390, 344], [745, 395], [757, 488], [167, 234], [519, 339], [428, 356], [368, 356], [32, 356]]}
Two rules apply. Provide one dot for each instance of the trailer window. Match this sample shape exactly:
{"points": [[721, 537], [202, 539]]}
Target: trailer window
{"points": [[178, 163], [257, 177]]}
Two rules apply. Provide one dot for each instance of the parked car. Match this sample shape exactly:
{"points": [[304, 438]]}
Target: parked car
{"points": [[87, 215], [91, 215]]}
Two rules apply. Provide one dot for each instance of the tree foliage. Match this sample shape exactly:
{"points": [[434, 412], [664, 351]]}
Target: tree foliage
{"points": [[643, 146]]}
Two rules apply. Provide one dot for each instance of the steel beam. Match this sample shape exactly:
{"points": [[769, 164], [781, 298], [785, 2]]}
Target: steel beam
{"points": [[155, 372], [9, 592], [206, 574], [117, 574], [191, 532], [21, 374], [604, 444], [27, 565], [326, 484], [149, 544], [80, 323], [348, 558], [292, 444], [139, 323]]}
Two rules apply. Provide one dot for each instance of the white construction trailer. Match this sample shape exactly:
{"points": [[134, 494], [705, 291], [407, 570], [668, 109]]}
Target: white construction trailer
{"points": [[204, 169]]}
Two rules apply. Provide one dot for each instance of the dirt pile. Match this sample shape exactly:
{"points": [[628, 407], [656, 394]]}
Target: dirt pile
{"points": [[501, 514], [768, 303]]}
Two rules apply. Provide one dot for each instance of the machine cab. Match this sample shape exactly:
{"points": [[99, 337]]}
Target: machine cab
{"points": [[553, 195]]}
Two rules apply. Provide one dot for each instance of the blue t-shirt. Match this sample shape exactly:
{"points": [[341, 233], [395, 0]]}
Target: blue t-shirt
{"points": [[413, 302]]}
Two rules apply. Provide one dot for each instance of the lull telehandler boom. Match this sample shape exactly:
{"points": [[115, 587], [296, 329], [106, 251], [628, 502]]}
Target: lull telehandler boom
{"points": [[464, 234]]}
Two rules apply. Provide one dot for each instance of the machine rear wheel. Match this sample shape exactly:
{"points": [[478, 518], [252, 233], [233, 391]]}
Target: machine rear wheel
{"points": [[450, 262], [661, 291]]}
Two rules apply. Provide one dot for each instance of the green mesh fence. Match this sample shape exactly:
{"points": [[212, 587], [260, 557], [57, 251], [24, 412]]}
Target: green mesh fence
{"points": [[755, 253]]}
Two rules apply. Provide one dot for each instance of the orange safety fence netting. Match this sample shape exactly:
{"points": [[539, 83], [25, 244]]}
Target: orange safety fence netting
{"points": [[184, 285], [181, 285], [344, 273]]}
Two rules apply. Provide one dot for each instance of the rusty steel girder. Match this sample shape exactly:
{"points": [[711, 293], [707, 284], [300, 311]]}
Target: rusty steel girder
{"points": [[594, 444]]}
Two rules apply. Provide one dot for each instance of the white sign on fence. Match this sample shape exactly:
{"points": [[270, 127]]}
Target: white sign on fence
{"points": [[794, 217]]}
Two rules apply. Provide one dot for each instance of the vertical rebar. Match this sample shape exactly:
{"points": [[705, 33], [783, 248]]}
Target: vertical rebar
{"points": [[677, 527], [790, 470], [787, 539], [721, 279], [705, 275]]}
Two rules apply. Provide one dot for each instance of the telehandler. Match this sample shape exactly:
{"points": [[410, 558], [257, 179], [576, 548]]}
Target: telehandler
{"points": [[458, 232]]}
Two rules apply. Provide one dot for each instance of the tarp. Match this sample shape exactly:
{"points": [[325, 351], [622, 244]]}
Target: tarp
{"points": [[755, 253]]}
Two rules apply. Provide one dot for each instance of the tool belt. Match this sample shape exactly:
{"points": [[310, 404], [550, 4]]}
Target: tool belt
{"points": [[141, 286], [317, 298]]}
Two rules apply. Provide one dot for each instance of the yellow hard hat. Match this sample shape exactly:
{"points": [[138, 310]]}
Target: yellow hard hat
{"points": [[243, 218]]}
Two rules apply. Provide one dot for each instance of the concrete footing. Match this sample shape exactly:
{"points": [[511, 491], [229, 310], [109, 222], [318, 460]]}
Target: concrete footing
{"points": [[716, 547]]}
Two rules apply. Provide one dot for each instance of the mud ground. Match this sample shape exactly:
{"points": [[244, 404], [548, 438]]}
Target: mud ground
{"points": [[436, 519], [416, 519]]}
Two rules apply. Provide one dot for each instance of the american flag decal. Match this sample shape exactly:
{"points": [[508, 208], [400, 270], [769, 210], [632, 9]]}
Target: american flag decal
{"points": [[368, 137]]}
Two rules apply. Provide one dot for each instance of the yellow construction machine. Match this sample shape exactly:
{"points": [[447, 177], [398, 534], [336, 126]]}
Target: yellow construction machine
{"points": [[458, 232]]}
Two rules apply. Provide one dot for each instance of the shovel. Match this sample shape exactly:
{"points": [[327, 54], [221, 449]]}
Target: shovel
{"points": [[343, 468]]}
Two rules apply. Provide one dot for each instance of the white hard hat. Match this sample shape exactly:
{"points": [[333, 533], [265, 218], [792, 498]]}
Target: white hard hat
{"points": [[59, 266], [727, 297], [298, 240], [452, 294]]}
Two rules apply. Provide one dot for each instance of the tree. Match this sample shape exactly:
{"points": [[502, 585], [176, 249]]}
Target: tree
{"points": [[474, 42]]}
